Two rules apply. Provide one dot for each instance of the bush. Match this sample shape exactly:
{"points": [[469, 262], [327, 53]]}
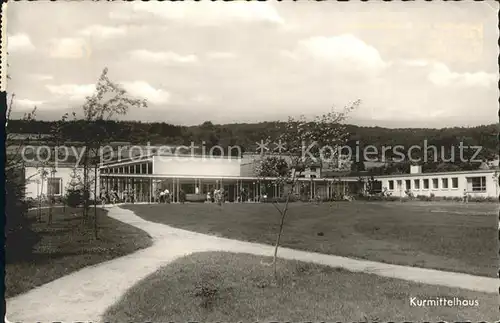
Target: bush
{"points": [[333, 199], [31, 202], [423, 198], [19, 234], [453, 198], [388, 198], [74, 197], [481, 199]]}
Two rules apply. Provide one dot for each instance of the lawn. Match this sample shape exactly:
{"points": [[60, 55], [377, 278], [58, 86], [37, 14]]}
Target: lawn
{"points": [[446, 236], [66, 246], [227, 287]]}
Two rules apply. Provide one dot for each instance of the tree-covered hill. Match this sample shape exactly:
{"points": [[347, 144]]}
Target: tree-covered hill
{"points": [[246, 135]]}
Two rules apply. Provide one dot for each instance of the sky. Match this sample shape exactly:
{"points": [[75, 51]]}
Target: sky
{"points": [[424, 64]]}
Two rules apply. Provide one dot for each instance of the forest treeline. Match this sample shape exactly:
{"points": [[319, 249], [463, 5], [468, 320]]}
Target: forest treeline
{"points": [[246, 135]]}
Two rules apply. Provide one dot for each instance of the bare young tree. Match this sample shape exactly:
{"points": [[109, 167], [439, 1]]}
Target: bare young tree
{"points": [[302, 143], [108, 101]]}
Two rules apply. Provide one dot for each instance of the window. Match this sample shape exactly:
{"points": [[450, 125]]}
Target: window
{"points": [[435, 183], [408, 184], [426, 184], [313, 169], [476, 184], [376, 186], [144, 169], [400, 183], [444, 183], [54, 186], [454, 182], [416, 184], [313, 176], [391, 185]]}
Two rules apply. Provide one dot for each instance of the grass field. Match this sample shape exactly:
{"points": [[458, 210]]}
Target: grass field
{"points": [[446, 236], [226, 287], [66, 246]]}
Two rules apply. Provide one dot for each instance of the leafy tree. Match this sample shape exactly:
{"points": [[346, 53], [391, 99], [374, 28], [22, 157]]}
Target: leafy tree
{"points": [[272, 166], [74, 191]]}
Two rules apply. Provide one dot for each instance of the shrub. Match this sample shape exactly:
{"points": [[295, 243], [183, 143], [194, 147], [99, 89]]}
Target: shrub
{"points": [[19, 234], [333, 199], [375, 198], [424, 198], [389, 198], [74, 197], [480, 199], [30, 202]]}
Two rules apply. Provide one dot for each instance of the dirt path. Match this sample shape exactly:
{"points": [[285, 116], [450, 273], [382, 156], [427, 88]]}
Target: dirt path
{"points": [[87, 293]]}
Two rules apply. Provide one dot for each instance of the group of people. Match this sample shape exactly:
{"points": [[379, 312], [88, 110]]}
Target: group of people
{"points": [[218, 196], [113, 196], [164, 196]]}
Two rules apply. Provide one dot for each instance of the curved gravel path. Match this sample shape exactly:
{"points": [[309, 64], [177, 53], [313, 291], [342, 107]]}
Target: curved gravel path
{"points": [[86, 294]]}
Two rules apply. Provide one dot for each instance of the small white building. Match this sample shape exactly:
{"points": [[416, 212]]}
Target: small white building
{"points": [[48, 180], [476, 183]]}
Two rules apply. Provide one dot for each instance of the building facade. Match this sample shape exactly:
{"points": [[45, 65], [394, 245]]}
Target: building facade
{"points": [[477, 183], [196, 176]]}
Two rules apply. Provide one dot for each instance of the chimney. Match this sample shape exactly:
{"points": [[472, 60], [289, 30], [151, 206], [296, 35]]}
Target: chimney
{"points": [[415, 169]]}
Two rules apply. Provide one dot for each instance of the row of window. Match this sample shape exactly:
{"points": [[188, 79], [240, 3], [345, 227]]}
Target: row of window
{"points": [[474, 184], [144, 168]]}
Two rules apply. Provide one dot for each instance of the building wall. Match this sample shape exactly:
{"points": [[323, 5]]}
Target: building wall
{"points": [[492, 188], [194, 166], [34, 185]]}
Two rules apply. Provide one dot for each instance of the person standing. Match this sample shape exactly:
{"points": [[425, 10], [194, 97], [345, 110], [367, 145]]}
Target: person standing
{"points": [[167, 196], [466, 197], [182, 196], [103, 197]]}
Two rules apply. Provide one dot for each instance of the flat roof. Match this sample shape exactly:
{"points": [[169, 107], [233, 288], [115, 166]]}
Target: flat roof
{"points": [[138, 158]]}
